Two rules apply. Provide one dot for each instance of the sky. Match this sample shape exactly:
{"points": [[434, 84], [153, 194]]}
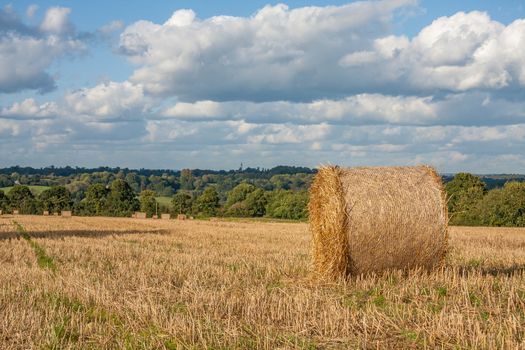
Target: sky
{"points": [[213, 84]]}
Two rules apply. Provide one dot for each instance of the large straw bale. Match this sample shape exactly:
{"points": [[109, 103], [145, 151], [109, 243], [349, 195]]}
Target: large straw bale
{"points": [[370, 219]]}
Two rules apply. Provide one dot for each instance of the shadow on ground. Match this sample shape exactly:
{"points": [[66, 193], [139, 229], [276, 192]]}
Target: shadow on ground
{"points": [[79, 233]]}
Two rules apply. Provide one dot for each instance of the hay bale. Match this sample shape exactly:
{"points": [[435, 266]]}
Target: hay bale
{"points": [[45, 213], [140, 215], [155, 216], [66, 213], [15, 212], [165, 216], [371, 219], [181, 217]]}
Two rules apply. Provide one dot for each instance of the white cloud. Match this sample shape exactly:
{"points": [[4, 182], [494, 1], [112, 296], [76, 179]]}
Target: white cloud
{"points": [[27, 52], [278, 134], [358, 109], [56, 20], [9, 128], [276, 53], [458, 53], [318, 52], [29, 108], [108, 101]]}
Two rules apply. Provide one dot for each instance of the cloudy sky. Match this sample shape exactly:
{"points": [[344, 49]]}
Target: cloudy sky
{"points": [[202, 84]]}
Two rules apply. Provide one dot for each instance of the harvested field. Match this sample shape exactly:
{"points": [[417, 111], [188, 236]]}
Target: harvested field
{"points": [[77, 282]]}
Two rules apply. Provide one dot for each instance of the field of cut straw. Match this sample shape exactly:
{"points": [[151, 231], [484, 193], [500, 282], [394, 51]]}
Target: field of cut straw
{"points": [[106, 283]]}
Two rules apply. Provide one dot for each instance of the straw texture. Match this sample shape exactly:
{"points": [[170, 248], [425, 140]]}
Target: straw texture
{"points": [[371, 219]]}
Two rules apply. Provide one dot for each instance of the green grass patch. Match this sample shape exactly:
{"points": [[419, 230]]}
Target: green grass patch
{"points": [[43, 260], [411, 335], [36, 190], [62, 334]]}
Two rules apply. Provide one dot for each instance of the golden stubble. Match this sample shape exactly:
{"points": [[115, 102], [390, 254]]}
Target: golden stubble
{"points": [[152, 284]]}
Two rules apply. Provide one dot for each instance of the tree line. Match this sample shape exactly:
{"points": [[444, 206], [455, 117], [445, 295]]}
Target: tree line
{"points": [[471, 203], [164, 183], [119, 200]]}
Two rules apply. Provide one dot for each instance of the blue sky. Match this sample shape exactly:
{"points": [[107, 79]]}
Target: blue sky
{"points": [[173, 84]]}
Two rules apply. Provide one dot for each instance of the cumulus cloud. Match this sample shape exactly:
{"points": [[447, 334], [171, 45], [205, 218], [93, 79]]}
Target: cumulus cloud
{"points": [[465, 51], [27, 52], [358, 109], [321, 52], [110, 100], [29, 109], [104, 102], [277, 53], [363, 109], [56, 20]]}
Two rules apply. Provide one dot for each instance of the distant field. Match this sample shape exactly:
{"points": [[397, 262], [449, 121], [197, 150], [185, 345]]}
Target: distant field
{"points": [[116, 283], [35, 189], [166, 201]]}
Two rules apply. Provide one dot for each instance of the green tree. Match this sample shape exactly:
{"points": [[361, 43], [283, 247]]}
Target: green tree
{"points": [[285, 204], [186, 180], [4, 201], [208, 202], [134, 181], [256, 203], [504, 207], [56, 199], [247, 203], [122, 200], [465, 192], [21, 198], [239, 193], [96, 202], [148, 203], [181, 203]]}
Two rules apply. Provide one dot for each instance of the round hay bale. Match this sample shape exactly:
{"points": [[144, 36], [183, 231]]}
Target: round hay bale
{"points": [[371, 219]]}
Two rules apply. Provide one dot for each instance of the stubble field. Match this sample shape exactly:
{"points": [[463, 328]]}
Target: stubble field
{"points": [[106, 283]]}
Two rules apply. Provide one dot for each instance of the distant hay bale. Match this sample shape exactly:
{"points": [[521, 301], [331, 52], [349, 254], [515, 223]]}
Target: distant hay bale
{"points": [[181, 217], [66, 213], [140, 215], [15, 212], [45, 213], [371, 219], [165, 216], [155, 216]]}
